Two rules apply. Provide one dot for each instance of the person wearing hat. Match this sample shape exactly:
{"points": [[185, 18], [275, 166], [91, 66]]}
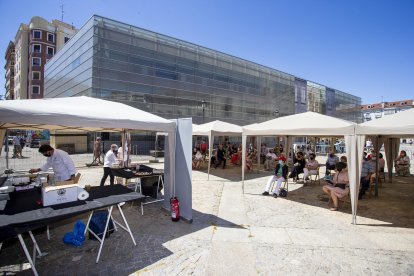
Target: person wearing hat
{"points": [[280, 175]]}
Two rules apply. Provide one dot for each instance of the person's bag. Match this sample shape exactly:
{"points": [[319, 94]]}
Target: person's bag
{"points": [[97, 224], [283, 192], [342, 186], [76, 237]]}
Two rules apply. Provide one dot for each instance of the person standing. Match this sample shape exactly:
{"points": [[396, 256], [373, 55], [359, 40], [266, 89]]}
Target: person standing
{"points": [[60, 162], [97, 149], [221, 158], [110, 160], [16, 147]]}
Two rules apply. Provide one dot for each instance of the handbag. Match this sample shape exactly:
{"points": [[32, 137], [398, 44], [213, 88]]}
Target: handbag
{"points": [[342, 186], [283, 192]]}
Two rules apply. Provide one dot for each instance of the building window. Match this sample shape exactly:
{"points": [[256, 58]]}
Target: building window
{"points": [[37, 34], [35, 75], [50, 51], [66, 39], [37, 48], [35, 89], [36, 61], [50, 37]]}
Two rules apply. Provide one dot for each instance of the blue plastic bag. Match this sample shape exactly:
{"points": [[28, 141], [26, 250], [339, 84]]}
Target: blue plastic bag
{"points": [[77, 237]]}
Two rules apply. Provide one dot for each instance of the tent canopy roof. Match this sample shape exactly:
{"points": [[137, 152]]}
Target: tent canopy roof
{"points": [[302, 124], [398, 125], [217, 128], [78, 113]]}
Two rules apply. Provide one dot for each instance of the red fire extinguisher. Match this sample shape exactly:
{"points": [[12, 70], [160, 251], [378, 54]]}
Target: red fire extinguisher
{"points": [[175, 209]]}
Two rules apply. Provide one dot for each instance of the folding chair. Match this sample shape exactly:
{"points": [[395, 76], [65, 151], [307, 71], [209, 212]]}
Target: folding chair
{"points": [[284, 186], [316, 177]]}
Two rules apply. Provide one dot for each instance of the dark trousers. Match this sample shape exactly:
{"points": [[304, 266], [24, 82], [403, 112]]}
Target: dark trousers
{"points": [[107, 171], [219, 161], [364, 186], [329, 167]]}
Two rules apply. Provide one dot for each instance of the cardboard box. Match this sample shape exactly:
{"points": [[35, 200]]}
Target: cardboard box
{"points": [[60, 193]]}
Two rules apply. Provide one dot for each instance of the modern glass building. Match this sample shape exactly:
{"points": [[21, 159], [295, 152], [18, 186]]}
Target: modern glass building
{"points": [[173, 78]]}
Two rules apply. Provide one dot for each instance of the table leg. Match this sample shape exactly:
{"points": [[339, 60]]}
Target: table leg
{"points": [[126, 224], [153, 201], [26, 252], [104, 233], [87, 224], [35, 243]]}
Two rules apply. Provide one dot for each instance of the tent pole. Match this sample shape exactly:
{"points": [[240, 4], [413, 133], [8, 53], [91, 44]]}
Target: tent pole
{"points": [[7, 148], [376, 164]]}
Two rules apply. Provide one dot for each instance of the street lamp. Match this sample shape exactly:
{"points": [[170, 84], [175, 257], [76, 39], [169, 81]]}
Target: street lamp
{"points": [[203, 105]]}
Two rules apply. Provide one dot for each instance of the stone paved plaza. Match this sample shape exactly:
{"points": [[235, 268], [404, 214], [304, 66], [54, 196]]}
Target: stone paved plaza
{"points": [[241, 234]]}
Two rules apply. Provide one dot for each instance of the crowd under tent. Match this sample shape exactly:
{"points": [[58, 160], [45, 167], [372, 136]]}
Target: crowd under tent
{"points": [[216, 128], [388, 131], [92, 114], [314, 125]]}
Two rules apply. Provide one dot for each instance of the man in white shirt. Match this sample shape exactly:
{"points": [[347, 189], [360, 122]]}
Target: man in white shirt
{"points": [[60, 162], [109, 161]]}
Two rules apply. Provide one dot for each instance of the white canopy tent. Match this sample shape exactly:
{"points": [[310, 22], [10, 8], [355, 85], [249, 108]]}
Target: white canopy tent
{"points": [[216, 128], [312, 124], [388, 130], [85, 114]]}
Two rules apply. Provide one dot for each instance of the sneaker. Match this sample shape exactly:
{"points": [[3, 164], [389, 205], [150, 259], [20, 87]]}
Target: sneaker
{"points": [[265, 193], [307, 178], [275, 195]]}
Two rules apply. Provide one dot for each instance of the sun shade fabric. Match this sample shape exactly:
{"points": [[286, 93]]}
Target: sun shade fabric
{"points": [[302, 124], [78, 113], [217, 128], [399, 124]]}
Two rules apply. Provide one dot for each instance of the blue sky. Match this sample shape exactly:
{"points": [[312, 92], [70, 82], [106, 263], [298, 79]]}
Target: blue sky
{"points": [[362, 47]]}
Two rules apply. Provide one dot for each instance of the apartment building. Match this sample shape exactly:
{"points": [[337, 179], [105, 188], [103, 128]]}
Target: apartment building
{"points": [[378, 110], [34, 45], [9, 68]]}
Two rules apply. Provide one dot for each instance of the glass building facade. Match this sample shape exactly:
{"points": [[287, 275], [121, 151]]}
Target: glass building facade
{"points": [[174, 79]]}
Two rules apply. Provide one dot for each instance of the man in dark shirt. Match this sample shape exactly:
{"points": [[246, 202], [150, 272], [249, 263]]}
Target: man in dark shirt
{"points": [[220, 157]]}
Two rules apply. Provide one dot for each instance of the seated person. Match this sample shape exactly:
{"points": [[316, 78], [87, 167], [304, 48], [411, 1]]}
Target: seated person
{"points": [[381, 166], [402, 164], [220, 157], [339, 186], [198, 158], [311, 167], [203, 147], [300, 163], [270, 157], [279, 176], [343, 159], [234, 158], [331, 162], [367, 169], [249, 162]]}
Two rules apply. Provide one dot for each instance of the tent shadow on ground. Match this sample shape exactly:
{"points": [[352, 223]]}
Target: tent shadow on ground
{"points": [[392, 207], [119, 256], [233, 173]]}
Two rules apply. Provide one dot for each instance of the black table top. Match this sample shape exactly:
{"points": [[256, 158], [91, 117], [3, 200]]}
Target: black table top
{"points": [[24, 211], [130, 173]]}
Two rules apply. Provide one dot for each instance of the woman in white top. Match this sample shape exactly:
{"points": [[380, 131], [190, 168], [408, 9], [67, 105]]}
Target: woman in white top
{"points": [[311, 167]]}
